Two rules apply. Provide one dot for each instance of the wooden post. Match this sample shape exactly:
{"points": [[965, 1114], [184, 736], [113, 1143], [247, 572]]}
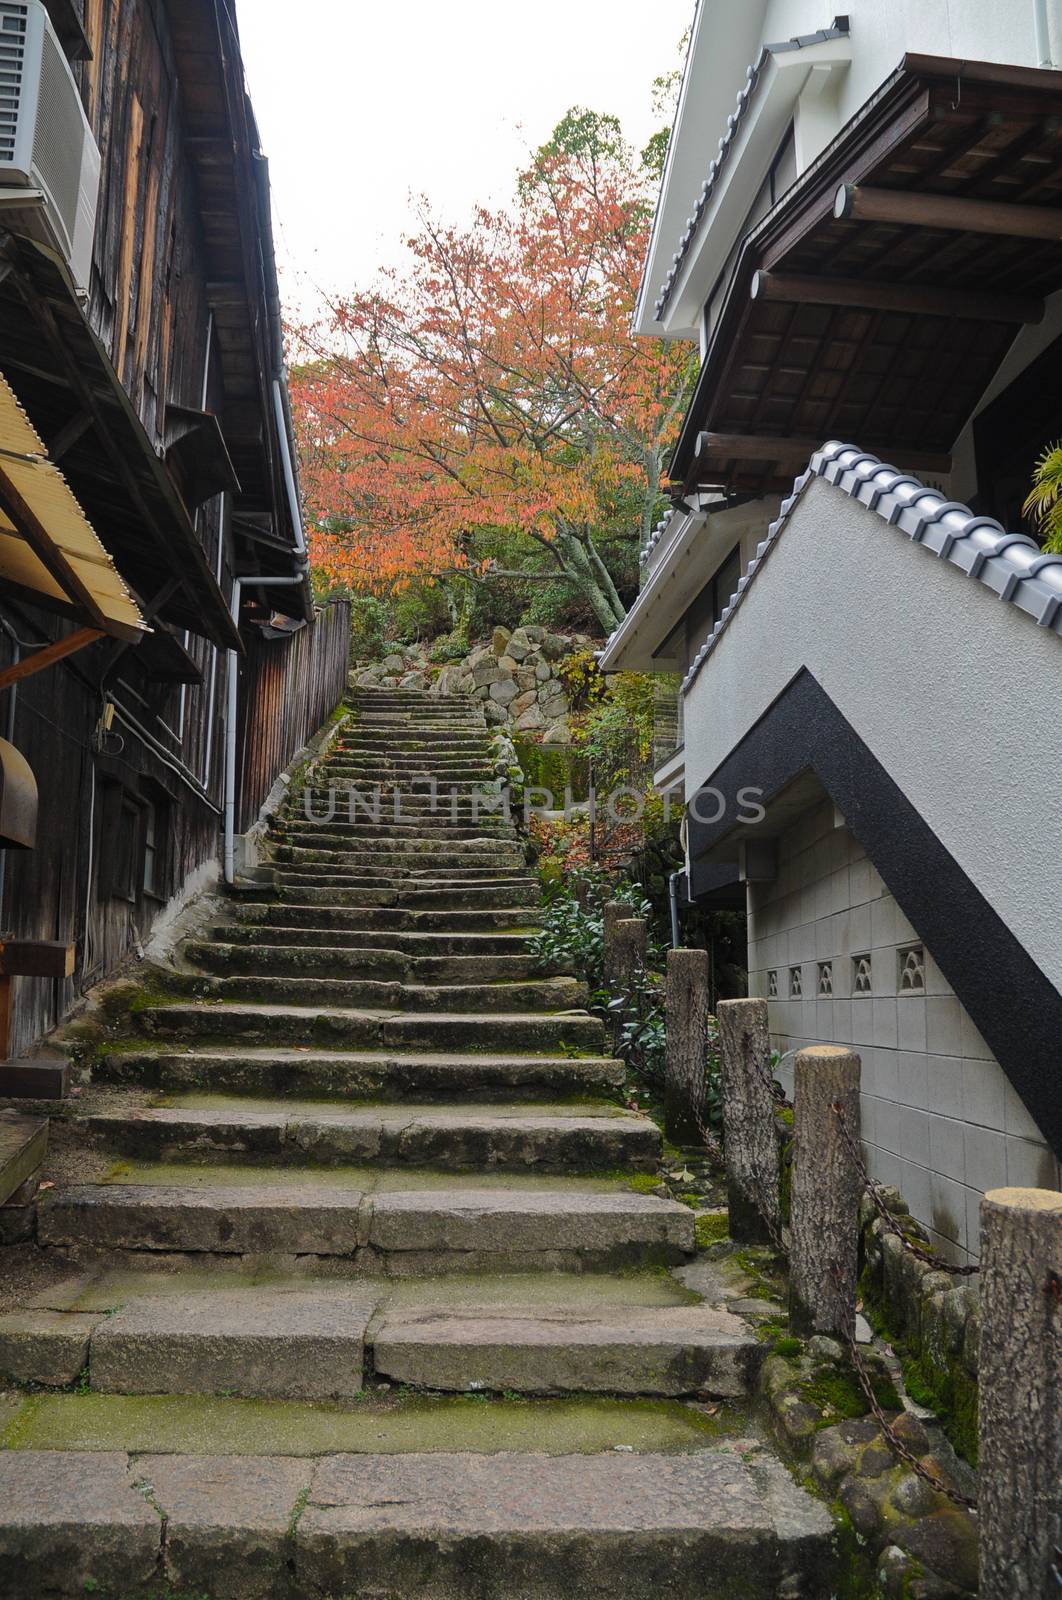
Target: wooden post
{"points": [[1020, 1392], [686, 1008], [827, 1185], [629, 942], [612, 912], [749, 1136]]}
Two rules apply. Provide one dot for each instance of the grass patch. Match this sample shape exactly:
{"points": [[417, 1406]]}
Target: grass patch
{"points": [[710, 1227]]}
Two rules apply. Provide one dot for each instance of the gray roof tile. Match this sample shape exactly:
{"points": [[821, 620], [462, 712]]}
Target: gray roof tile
{"points": [[1010, 564]]}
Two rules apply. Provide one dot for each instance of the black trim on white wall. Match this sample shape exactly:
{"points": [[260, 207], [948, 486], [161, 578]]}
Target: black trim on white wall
{"points": [[1011, 1001]]}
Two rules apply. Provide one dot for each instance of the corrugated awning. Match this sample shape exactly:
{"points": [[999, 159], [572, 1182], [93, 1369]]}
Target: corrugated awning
{"points": [[49, 552]]}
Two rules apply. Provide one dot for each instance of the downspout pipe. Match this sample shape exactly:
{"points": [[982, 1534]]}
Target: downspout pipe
{"points": [[9, 735], [1043, 34], [281, 401], [231, 695], [672, 896]]}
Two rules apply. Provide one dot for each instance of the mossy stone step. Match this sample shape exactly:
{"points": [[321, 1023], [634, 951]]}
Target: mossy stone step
{"points": [[334, 1028], [225, 958], [674, 1350], [464, 897], [414, 944], [547, 994], [393, 1231], [366, 1075], [541, 1138], [708, 1524], [394, 916]]}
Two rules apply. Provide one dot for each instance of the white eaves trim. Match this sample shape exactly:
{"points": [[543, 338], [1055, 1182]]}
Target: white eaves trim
{"points": [[660, 606], [765, 106], [1010, 564]]}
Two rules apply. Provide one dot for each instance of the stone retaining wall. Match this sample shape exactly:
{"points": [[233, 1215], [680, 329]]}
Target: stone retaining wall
{"points": [[515, 677]]}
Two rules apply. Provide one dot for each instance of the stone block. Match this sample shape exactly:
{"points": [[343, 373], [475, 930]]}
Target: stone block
{"points": [[503, 691], [299, 1345], [72, 1522], [228, 1521], [41, 1346]]}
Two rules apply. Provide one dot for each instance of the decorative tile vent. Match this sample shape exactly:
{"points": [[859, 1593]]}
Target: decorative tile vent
{"points": [[911, 964], [825, 980], [796, 983], [772, 986], [861, 975]]}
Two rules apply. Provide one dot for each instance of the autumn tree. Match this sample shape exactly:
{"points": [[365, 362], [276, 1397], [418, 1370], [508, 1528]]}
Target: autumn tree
{"points": [[495, 385]]}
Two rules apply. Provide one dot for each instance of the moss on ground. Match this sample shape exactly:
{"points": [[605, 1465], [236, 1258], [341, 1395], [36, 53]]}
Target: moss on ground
{"points": [[710, 1227]]}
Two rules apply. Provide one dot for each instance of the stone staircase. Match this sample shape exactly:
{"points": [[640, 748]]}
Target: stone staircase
{"points": [[365, 1157]]}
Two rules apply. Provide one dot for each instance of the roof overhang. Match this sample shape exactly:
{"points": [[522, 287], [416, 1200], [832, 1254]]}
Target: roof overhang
{"points": [[231, 176], [878, 299], [49, 553], [691, 548], [76, 403], [766, 107]]}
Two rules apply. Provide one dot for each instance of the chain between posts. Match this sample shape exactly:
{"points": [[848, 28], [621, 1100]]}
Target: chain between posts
{"points": [[930, 1257]]}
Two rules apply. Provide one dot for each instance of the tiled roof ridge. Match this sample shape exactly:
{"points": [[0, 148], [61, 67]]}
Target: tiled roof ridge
{"points": [[839, 30], [1010, 564]]}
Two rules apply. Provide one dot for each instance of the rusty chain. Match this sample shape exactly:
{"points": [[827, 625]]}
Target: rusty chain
{"points": [[872, 1188], [892, 1438]]}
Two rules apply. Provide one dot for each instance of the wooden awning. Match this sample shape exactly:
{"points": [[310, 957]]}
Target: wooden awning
{"points": [[49, 553], [878, 299], [73, 397]]}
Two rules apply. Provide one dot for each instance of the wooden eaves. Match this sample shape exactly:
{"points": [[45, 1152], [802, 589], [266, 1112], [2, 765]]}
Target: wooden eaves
{"points": [[878, 299], [75, 400]]}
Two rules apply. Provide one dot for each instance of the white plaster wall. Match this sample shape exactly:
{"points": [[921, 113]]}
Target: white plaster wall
{"points": [[881, 34], [953, 690], [939, 1117]]}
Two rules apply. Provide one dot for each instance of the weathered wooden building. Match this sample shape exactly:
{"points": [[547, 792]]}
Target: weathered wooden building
{"points": [[140, 334]]}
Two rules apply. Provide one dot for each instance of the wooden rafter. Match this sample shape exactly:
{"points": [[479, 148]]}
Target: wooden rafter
{"points": [[955, 213], [48, 656], [914, 299]]}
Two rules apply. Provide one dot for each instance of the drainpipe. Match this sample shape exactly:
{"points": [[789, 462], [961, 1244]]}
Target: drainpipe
{"points": [[9, 735], [1043, 34], [230, 720], [672, 895]]}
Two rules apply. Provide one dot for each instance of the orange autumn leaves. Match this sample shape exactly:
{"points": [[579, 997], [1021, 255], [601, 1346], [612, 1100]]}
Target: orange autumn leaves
{"points": [[493, 385]]}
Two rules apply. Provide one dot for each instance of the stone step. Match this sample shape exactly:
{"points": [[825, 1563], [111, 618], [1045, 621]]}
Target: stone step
{"points": [[333, 1028], [338, 834], [674, 1350], [23, 1145], [469, 897], [361, 1075], [370, 770], [541, 1139], [704, 1525], [393, 915], [394, 1232], [297, 1345], [393, 877], [475, 851], [547, 994], [390, 741], [395, 822], [335, 961], [412, 944]]}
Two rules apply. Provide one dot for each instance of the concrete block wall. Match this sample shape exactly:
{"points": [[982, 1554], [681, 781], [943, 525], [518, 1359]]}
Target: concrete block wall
{"points": [[838, 963]]}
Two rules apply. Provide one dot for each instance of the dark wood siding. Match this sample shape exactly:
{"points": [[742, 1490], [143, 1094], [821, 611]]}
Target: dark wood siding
{"points": [[290, 687]]}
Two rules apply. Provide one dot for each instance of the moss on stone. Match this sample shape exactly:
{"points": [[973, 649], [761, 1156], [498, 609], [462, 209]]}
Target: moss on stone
{"points": [[710, 1227]]}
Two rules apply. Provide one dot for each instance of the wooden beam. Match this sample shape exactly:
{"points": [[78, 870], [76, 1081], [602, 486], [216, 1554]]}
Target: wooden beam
{"points": [[48, 656], [798, 452], [69, 435], [34, 1080], [36, 958], [956, 213], [914, 299]]}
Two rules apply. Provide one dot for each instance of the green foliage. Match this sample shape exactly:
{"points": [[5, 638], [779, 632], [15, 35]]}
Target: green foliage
{"points": [[618, 731], [369, 618], [1044, 502], [583, 680], [572, 936]]}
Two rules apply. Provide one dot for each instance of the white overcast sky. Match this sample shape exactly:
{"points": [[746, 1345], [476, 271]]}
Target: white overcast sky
{"points": [[361, 104]]}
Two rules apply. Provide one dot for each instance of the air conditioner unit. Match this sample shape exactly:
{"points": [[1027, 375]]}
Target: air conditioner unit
{"points": [[49, 162]]}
